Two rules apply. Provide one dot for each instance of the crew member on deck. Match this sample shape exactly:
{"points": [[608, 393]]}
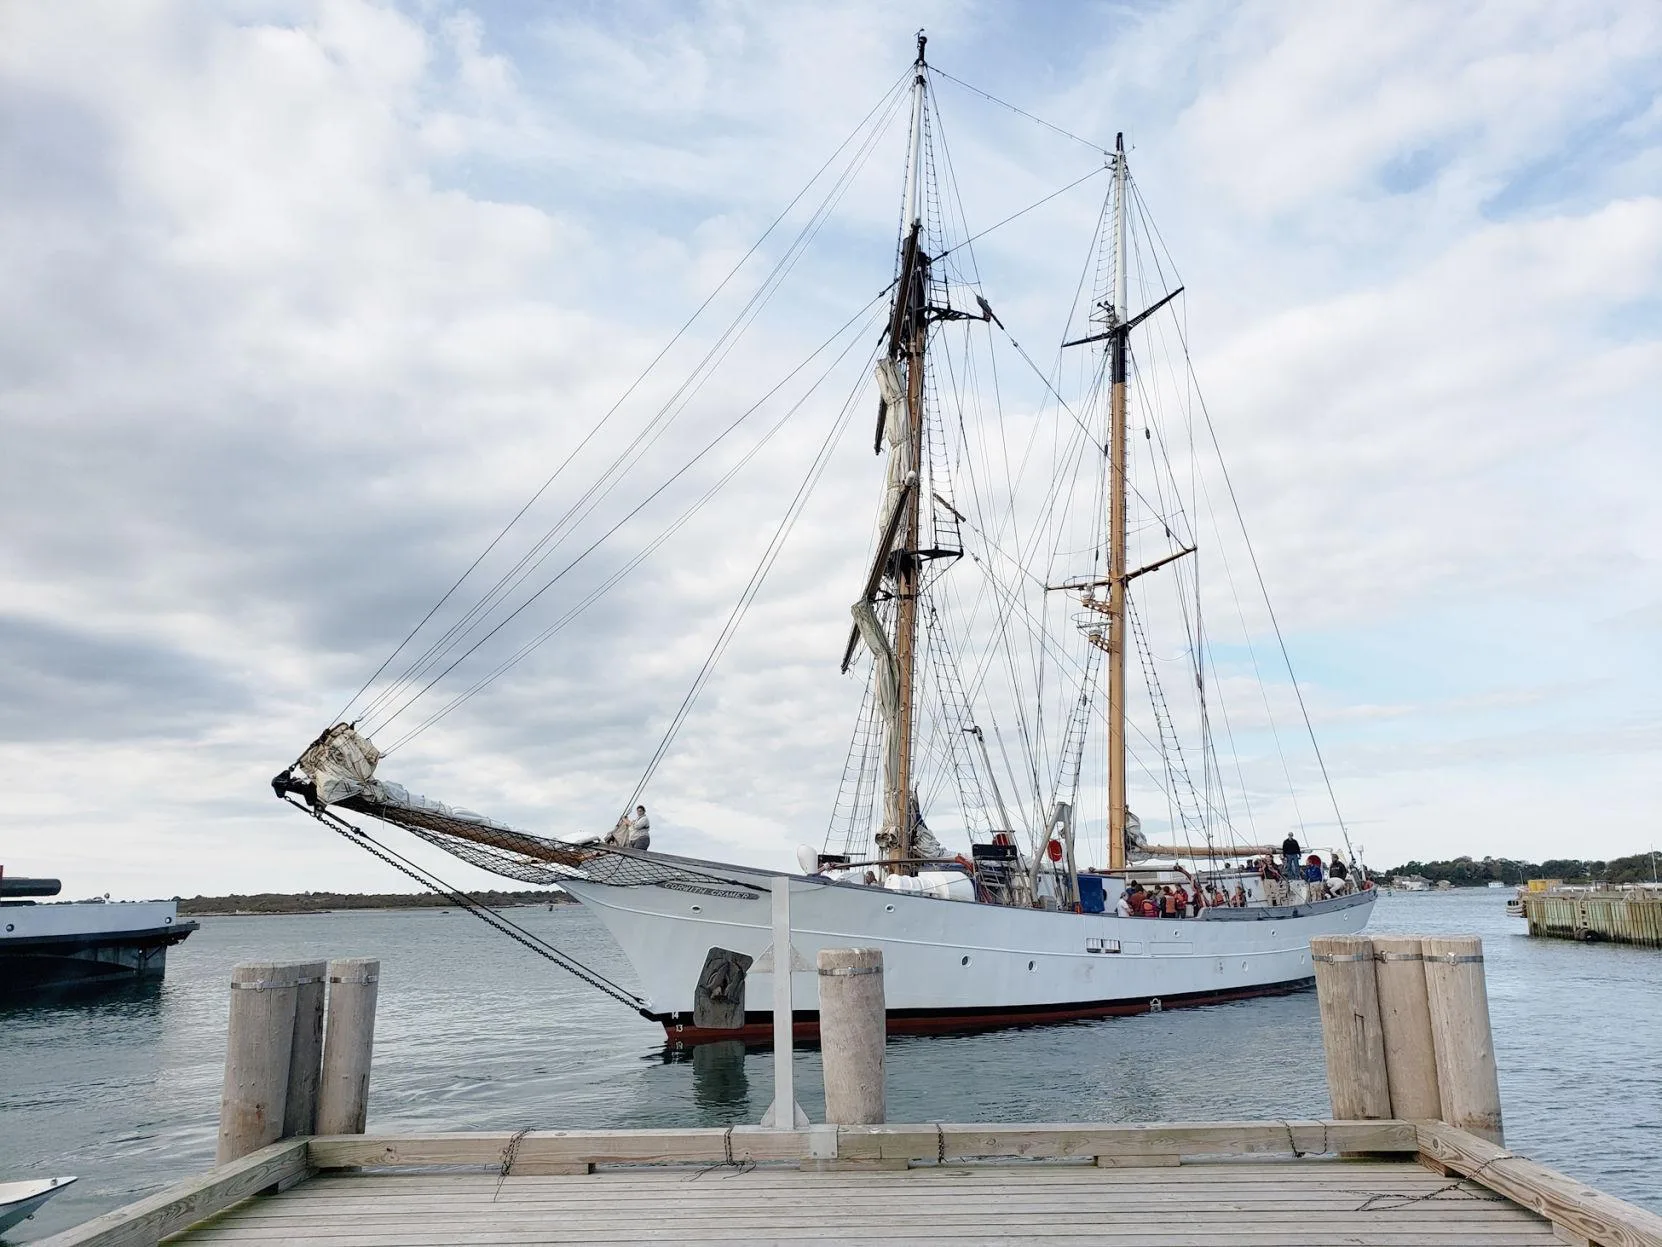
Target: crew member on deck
{"points": [[1289, 857]]}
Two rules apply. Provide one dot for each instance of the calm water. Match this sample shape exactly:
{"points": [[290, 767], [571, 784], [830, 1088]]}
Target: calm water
{"points": [[475, 1033]]}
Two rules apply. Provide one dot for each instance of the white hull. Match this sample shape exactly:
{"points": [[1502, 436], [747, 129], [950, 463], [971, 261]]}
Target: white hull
{"points": [[955, 963], [21, 1200]]}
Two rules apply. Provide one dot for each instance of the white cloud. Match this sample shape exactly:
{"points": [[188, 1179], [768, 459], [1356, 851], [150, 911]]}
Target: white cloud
{"points": [[302, 305]]}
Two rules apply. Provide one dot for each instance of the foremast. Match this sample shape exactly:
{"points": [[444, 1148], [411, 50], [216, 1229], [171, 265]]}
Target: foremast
{"points": [[899, 555]]}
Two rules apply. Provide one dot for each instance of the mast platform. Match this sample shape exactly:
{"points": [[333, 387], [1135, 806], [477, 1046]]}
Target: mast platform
{"points": [[1183, 1185]]}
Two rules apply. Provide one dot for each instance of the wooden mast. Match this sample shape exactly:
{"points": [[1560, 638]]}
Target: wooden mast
{"points": [[1118, 332], [907, 566]]}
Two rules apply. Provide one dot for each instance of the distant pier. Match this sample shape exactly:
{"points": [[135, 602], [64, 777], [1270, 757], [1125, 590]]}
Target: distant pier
{"points": [[1629, 915]]}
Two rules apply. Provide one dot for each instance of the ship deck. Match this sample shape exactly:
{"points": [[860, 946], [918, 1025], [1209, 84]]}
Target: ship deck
{"points": [[1283, 1182]]}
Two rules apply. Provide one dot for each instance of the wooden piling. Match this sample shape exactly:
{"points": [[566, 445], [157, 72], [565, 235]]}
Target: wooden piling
{"points": [[1467, 1081], [1405, 1025], [851, 1034], [1348, 999], [348, 1045], [306, 1051], [260, 1038]]}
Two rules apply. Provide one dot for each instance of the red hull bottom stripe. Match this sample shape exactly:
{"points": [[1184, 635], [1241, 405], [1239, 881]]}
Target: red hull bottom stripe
{"points": [[758, 1027]]}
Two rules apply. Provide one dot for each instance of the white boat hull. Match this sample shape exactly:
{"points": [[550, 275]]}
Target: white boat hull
{"points": [[20, 1200], [952, 965]]}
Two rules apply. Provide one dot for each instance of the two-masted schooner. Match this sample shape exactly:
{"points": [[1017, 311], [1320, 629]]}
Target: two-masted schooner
{"points": [[1008, 928]]}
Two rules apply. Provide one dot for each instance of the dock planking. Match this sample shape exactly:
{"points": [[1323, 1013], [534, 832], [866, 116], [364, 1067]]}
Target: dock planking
{"points": [[1182, 1185], [1055, 1203]]}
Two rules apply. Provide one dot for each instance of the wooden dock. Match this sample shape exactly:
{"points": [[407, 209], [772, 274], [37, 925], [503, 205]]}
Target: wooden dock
{"points": [[1620, 915], [1405, 1033], [1244, 1183]]}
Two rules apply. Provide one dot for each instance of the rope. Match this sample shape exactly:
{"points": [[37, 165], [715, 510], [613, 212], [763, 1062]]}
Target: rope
{"points": [[993, 99], [524, 651], [624, 397], [515, 932], [458, 630], [747, 598]]}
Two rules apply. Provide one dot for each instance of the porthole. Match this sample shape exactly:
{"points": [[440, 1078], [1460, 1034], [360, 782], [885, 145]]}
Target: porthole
{"points": [[963, 961], [1030, 964], [889, 908], [698, 909], [167, 922], [11, 926], [1243, 965]]}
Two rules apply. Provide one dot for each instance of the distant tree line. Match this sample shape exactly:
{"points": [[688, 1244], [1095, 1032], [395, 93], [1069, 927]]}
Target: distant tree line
{"points": [[1466, 872], [316, 902]]}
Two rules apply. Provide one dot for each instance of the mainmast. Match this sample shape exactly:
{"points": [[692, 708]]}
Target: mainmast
{"points": [[908, 338], [1117, 810], [1117, 335]]}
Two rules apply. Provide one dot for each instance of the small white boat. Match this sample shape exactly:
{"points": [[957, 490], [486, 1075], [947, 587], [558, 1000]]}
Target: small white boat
{"points": [[21, 1200]]}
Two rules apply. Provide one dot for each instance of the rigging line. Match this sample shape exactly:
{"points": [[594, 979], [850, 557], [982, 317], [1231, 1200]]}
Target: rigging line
{"points": [[1164, 720], [624, 397], [1059, 656], [1257, 670], [1038, 203], [672, 408], [1263, 589], [1048, 508], [491, 918], [770, 554], [606, 585], [641, 506], [648, 436], [991, 98], [1062, 402]]}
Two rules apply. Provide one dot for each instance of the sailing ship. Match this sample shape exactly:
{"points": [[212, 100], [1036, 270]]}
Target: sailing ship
{"points": [[1015, 930]]}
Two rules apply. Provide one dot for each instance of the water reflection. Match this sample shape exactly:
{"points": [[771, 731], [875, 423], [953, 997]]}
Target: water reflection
{"points": [[122, 996], [719, 1079]]}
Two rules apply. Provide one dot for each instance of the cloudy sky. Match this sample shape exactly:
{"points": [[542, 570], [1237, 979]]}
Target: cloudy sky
{"points": [[302, 301]]}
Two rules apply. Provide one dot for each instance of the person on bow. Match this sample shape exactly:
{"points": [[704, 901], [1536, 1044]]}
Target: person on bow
{"points": [[640, 829], [631, 833]]}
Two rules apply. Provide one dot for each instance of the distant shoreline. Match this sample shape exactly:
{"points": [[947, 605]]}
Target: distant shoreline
{"points": [[237, 905]]}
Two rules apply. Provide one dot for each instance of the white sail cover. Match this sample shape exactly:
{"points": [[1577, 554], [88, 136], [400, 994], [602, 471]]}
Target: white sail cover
{"points": [[901, 473], [889, 386], [888, 689], [341, 765]]}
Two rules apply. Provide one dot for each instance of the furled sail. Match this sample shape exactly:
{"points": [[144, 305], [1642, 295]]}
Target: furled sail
{"points": [[338, 769], [900, 478]]}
